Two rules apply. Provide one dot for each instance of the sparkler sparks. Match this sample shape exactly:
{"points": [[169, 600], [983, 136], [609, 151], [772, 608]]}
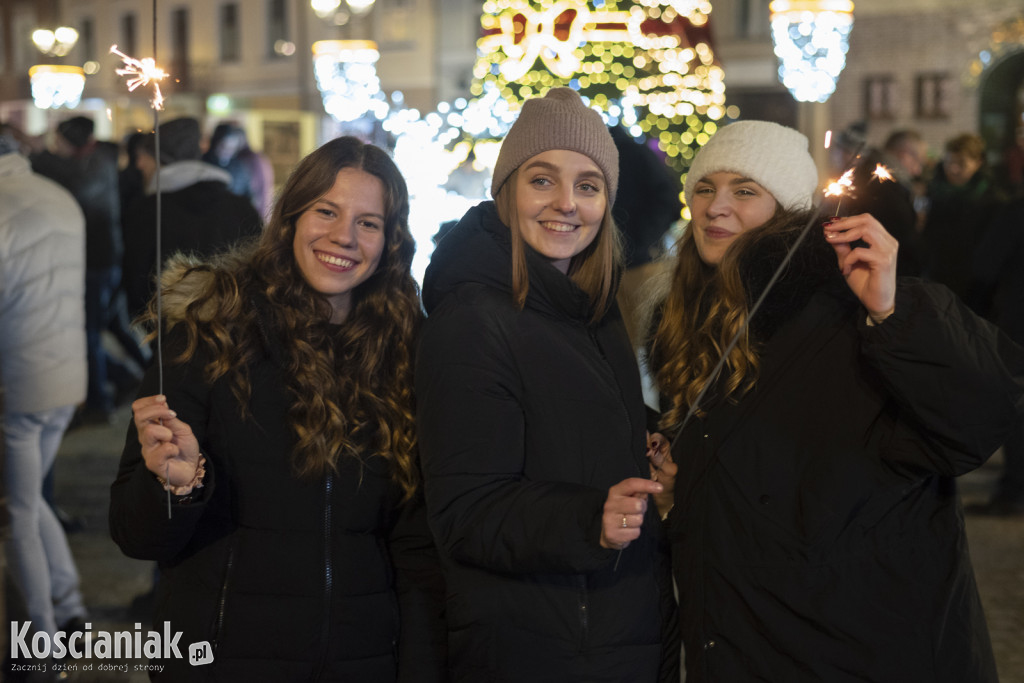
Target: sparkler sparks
{"points": [[141, 72], [882, 173], [837, 187]]}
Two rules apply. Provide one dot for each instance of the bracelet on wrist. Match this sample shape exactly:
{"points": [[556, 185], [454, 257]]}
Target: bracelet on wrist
{"points": [[195, 483]]}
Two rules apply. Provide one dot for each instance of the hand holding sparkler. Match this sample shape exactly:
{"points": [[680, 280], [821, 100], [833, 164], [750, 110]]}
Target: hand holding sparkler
{"points": [[169, 448], [624, 511], [663, 470], [870, 270]]}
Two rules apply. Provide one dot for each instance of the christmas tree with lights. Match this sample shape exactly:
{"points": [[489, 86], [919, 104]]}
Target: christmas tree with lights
{"points": [[647, 65]]}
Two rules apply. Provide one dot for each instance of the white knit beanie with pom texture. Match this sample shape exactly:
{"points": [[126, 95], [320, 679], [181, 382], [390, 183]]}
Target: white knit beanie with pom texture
{"points": [[775, 157]]}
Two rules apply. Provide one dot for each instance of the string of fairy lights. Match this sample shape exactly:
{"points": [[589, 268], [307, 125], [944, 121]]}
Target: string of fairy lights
{"points": [[645, 64]]}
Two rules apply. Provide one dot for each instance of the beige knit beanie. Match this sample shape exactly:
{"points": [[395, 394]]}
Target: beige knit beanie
{"points": [[559, 120], [775, 157]]}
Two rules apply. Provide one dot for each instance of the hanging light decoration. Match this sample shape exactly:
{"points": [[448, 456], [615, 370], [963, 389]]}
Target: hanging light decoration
{"points": [[811, 39], [346, 75], [56, 43], [56, 85]]}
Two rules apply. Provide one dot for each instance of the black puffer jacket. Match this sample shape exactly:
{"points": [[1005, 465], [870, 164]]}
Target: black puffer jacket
{"points": [[526, 418], [289, 579], [817, 533]]}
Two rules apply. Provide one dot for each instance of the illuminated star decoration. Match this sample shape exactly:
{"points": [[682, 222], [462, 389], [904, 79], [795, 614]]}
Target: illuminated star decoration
{"points": [[142, 72]]}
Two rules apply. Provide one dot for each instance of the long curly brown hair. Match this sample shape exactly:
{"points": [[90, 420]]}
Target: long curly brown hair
{"points": [[704, 310], [351, 384]]}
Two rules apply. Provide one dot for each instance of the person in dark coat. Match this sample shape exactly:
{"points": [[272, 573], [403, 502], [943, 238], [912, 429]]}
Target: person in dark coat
{"points": [[997, 292], [532, 424], [274, 479], [963, 200], [200, 215], [646, 206], [817, 533]]}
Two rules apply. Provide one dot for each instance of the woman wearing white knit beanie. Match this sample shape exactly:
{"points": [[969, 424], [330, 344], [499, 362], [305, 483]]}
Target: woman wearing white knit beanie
{"points": [[531, 424], [816, 530]]}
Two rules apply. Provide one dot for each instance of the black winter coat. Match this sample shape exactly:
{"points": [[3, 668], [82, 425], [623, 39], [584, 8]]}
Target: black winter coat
{"points": [[525, 419], [817, 534], [289, 579], [958, 219]]}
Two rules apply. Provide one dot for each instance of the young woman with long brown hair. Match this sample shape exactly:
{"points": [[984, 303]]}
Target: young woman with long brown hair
{"points": [[816, 532], [285, 439]]}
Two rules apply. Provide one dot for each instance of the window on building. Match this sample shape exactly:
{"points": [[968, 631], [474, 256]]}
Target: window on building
{"points": [[932, 96], [753, 19], [87, 39], [128, 34], [278, 41], [230, 33], [880, 97], [180, 61]]}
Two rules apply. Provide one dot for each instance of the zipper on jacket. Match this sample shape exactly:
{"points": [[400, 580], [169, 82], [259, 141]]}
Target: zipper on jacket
{"points": [[222, 602], [618, 392], [584, 610], [328, 577]]}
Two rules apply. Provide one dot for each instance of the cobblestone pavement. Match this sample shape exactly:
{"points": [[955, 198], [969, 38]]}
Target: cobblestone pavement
{"points": [[88, 462]]}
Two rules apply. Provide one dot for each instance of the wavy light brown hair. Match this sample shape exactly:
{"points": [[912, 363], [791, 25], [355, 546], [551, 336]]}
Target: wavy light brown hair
{"points": [[351, 384], [593, 269], [705, 308]]}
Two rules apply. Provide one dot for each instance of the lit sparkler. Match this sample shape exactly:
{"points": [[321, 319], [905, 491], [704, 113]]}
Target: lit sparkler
{"points": [[838, 187], [141, 72], [882, 173]]}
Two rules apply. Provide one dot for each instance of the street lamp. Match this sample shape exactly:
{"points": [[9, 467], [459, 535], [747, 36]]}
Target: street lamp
{"points": [[811, 39], [56, 43]]}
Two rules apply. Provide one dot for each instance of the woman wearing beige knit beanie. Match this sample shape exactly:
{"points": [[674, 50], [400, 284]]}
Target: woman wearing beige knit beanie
{"points": [[532, 424]]}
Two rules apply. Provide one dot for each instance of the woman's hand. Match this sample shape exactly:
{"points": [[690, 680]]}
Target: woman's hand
{"points": [[870, 271], [663, 470], [169, 448], [624, 511]]}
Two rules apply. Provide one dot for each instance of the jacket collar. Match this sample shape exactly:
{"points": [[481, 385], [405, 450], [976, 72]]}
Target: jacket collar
{"points": [[813, 267]]}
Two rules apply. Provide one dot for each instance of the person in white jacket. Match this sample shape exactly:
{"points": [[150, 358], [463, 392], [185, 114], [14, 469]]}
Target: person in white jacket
{"points": [[43, 375]]}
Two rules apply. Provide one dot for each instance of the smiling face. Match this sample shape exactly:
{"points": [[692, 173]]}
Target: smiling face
{"points": [[724, 206], [339, 240], [560, 201]]}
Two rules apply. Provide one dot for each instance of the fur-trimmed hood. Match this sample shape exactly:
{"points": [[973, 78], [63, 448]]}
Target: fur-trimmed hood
{"points": [[184, 280]]}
